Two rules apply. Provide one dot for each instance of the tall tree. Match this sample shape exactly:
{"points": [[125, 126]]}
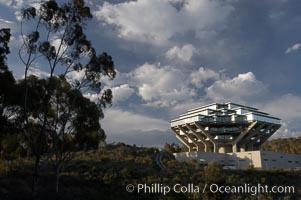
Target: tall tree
{"points": [[72, 121], [58, 43]]}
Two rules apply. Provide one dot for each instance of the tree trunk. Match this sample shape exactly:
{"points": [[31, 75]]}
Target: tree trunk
{"points": [[35, 178], [38, 149], [57, 178]]}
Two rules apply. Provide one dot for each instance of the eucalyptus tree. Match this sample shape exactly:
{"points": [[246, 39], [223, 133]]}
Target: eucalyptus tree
{"points": [[74, 125], [60, 46], [72, 120]]}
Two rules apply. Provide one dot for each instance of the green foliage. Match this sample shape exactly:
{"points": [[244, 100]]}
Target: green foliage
{"points": [[72, 118], [250, 167], [9, 140], [285, 145], [4, 49], [10, 147], [66, 22], [172, 148], [144, 160], [213, 173]]}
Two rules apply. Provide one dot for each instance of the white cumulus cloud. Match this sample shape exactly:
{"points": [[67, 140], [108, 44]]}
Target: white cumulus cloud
{"points": [[36, 71], [119, 121], [161, 85], [243, 87], [295, 47], [183, 54], [202, 75], [122, 92], [157, 21]]}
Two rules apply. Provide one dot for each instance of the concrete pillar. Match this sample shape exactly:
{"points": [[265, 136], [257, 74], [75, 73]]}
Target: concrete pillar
{"points": [[198, 146], [215, 147], [242, 148], [234, 148], [241, 136], [207, 148], [222, 150]]}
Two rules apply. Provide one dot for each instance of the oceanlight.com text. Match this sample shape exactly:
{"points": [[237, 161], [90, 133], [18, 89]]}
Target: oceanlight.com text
{"points": [[246, 188]]}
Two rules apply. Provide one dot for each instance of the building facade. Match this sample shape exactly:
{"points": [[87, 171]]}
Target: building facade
{"points": [[229, 134]]}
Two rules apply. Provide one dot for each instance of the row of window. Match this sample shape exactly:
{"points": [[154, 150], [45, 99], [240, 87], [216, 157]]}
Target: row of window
{"points": [[224, 129], [273, 160]]}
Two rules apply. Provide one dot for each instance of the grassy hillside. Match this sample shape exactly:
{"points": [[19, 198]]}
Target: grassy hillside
{"points": [[104, 174], [286, 145]]}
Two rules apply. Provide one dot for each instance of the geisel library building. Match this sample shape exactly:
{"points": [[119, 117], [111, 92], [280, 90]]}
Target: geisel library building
{"points": [[230, 135]]}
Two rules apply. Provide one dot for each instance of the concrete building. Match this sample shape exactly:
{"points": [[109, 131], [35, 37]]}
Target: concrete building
{"points": [[230, 134]]}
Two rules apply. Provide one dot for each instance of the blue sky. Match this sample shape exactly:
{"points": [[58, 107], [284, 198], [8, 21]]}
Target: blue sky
{"points": [[172, 55]]}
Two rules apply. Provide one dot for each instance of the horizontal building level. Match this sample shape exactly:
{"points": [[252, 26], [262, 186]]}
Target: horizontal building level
{"points": [[228, 112]]}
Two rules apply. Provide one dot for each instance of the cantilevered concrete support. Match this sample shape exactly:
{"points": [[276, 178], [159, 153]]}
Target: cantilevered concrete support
{"points": [[215, 143], [243, 134], [193, 140], [183, 140], [263, 136], [199, 136]]}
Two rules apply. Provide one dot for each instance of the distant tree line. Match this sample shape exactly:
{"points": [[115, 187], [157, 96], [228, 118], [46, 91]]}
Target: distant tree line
{"points": [[285, 145]]}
